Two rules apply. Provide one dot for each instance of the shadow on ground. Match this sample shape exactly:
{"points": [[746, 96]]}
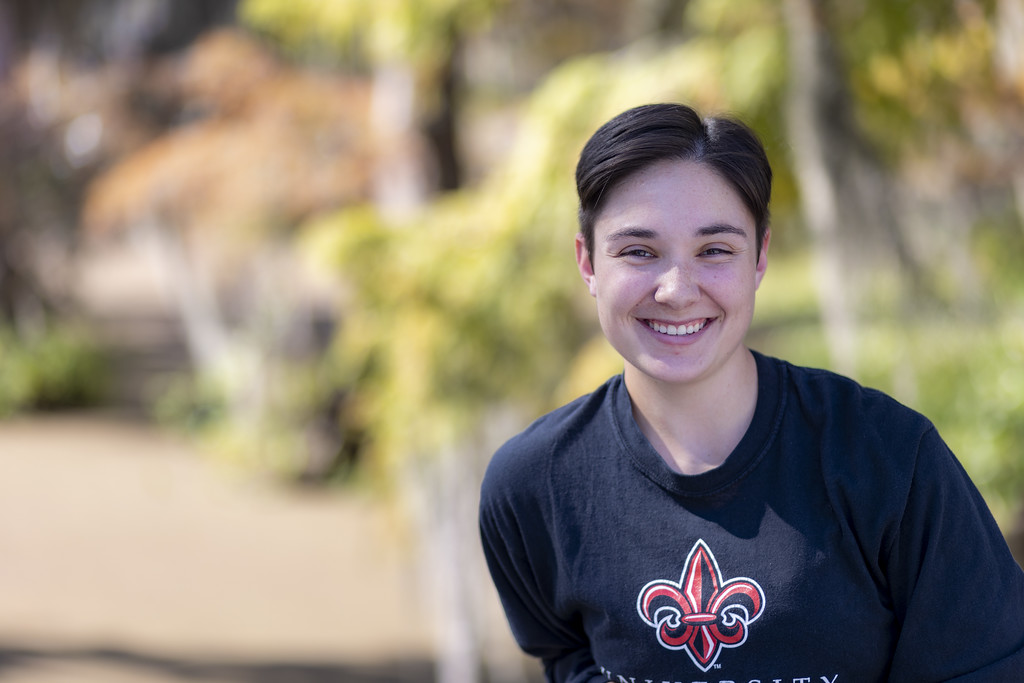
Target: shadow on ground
{"points": [[143, 666]]}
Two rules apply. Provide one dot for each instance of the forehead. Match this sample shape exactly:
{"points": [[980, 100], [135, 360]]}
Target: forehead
{"points": [[676, 195]]}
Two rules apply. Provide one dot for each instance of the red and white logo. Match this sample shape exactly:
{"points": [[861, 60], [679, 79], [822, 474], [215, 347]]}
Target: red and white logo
{"points": [[701, 613]]}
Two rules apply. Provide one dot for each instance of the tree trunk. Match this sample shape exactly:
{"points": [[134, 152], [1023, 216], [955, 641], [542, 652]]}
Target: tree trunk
{"points": [[435, 493], [442, 130], [442, 492], [205, 330], [400, 179], [1009, 48], [813, 97], [1009, 55], [847, 196]]}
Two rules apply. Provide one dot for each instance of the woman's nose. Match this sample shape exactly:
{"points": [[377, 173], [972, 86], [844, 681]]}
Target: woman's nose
{"points": [[676, 286]]}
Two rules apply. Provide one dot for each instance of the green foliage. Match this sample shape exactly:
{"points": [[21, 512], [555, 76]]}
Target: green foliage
{"points": [[917, 69], [191, 404], [59, 369], [448, 314], [786, 321], [732, 17], [997, 245], [258, 416], [382, 30]]}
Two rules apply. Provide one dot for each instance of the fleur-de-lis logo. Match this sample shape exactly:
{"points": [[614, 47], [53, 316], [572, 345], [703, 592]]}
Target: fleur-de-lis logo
{"points": [[702, 613]]}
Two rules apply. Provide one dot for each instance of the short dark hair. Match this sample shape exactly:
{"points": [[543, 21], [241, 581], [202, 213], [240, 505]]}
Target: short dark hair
{"points": [[641, 136]]}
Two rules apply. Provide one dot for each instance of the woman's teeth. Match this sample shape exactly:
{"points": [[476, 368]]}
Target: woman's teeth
{"points": [[677, 330]]}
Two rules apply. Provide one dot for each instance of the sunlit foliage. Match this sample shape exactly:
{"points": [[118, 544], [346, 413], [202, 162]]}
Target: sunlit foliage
{"points": [[374, 30]]}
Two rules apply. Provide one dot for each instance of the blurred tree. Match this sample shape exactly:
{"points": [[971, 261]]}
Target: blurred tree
{"points": [[215, 201], [66, 109], [829, 161], [1009, 62], [51, 55], [413, 50], [934, 97], [891, 109]]}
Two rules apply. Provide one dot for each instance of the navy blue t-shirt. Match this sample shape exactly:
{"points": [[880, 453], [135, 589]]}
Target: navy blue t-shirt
{"points": [[841, 541]]}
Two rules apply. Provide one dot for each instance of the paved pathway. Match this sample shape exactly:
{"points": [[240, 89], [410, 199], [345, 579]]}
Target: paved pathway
{"points": [[125, 558]]}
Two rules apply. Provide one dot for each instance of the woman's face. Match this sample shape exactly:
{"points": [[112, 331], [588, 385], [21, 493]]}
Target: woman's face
{"points": [[674, 272]]}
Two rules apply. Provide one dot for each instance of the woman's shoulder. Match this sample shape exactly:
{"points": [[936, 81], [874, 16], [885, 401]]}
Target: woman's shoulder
{"points": [[858, 432], [529, 454], [841, 399]]}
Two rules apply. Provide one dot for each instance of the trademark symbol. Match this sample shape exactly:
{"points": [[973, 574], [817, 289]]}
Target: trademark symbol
{"points": [[716, 667]]}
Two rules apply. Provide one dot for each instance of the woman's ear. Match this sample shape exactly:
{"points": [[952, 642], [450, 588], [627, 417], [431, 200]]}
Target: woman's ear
{"points": [[762, 258], [585, 263]]}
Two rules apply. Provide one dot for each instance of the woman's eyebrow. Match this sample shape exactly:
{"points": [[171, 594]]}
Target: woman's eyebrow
{"points": [[631, 233], [719, 229]]}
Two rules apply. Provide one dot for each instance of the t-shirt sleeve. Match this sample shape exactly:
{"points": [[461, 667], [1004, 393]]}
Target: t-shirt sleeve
{"points": [[523, 575], [955, 586]]}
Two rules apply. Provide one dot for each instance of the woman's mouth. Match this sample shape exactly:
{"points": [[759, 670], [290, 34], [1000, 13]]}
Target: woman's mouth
{"points": [[677, 330]]}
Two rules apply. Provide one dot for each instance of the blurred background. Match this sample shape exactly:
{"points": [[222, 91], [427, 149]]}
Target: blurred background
{"points": [[278, 276]]}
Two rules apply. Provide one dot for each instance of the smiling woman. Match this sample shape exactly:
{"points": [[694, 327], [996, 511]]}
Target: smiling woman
{"points": [[674, 249], [712, 507]]}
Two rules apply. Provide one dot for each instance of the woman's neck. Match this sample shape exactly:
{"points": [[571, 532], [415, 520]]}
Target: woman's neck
{"points": [[695, 427]]}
